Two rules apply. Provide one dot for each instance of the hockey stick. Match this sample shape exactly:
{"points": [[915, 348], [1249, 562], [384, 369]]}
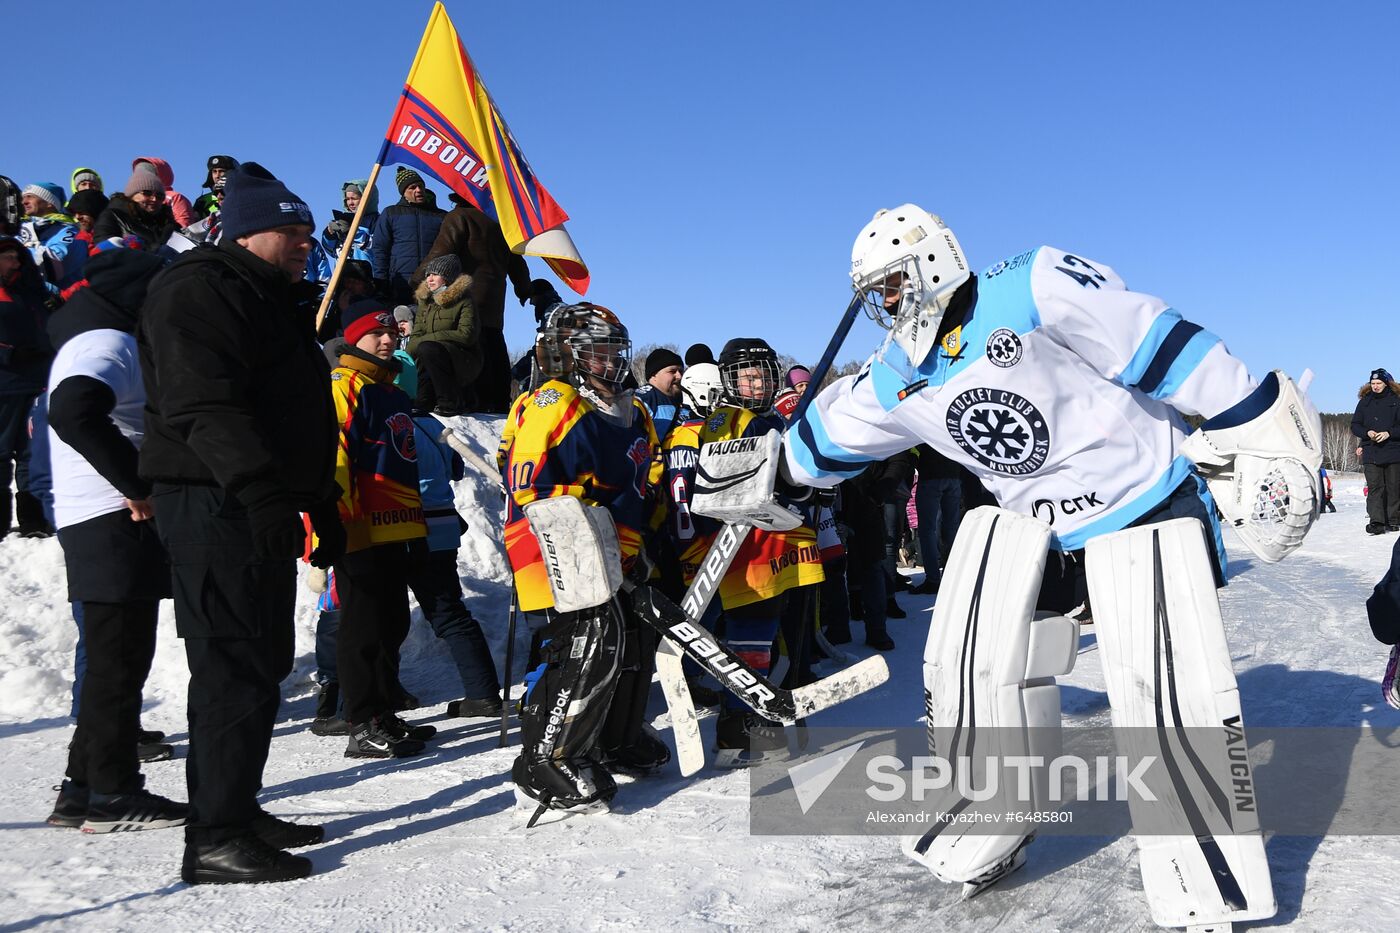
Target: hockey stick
{"points": [[471, 456], [685, 726], [757, 691], [510, 655]]}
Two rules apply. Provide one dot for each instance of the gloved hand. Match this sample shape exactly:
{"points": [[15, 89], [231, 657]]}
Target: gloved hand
{"points": [[330, 534], [542, 297], [278, 533], [338, 229]]}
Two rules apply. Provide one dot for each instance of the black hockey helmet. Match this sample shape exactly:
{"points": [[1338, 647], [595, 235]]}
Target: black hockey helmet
{"points": [[748, 368]]}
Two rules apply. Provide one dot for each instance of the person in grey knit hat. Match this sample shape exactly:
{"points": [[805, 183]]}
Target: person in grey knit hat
{"points": [[448, 267], [445, 342], [144, 180], [139, 211]]}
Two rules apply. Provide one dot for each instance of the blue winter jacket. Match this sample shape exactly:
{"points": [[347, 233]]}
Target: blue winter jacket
{"points": [[438, 466], [361, 243], [50, 240], [664, 409], [402, 237]]}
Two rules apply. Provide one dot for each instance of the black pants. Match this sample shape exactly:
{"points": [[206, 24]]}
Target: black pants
{"points": [[234, 613], [440, 384], [432, 576], [627, 710], [493, 385], [14, 463], [373, 587], [1383, 493], [121, 640], [1065, 584]]}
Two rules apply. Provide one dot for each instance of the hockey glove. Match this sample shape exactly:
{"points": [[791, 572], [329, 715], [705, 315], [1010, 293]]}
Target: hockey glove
{"points": [[330, 534], [278, 533], [1260, 460]]}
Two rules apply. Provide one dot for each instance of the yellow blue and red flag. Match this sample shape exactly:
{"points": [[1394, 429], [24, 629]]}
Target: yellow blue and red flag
{"points": [[447, 125]]}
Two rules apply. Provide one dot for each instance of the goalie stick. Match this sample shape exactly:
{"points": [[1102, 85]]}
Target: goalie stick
{"points": [[757, 691]]}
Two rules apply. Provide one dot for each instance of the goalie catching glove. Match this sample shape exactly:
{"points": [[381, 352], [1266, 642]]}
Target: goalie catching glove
{"points": [[1260, 460]]}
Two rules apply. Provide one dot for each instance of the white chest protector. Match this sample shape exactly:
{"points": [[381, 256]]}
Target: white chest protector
{"points": [[1060, 391]]}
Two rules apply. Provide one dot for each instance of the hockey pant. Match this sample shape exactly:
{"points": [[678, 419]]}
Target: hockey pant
{"points": [[567, 697]]}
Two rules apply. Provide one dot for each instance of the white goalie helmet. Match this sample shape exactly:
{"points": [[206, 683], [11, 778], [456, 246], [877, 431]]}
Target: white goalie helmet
{"points": [[905, 265], [701, 387]]}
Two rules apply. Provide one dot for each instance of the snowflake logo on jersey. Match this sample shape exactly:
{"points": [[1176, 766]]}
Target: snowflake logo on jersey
{"points": [[403, 435], [546, 397], [1004, 348], [1000, 430]]}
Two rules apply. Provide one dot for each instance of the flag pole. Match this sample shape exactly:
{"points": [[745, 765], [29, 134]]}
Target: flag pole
{"points": [[373, 177]]}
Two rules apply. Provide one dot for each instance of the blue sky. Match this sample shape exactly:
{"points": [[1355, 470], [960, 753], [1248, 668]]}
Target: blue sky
{"points": [[1237, 159]]}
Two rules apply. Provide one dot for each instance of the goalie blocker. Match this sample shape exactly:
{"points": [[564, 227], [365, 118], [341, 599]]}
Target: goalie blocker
{"points": [[736, 481]]}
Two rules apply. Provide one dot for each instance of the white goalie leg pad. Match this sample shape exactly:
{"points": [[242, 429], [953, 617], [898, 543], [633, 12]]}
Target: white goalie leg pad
{"points": [[1260, 460], [582, 557], [735, 480], [1168, 670], [989, 687]]}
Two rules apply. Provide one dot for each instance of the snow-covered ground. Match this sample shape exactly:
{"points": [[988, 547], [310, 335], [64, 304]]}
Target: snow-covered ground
{"points": [[436, 842]]}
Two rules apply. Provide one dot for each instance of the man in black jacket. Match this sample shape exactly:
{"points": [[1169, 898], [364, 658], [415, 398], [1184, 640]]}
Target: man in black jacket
{"points": [[1377, 425], [240, 438]]}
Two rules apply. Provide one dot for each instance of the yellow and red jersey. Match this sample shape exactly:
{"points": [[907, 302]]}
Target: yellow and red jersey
{"points": [[555, 443], [770, 562], [376, 462]]}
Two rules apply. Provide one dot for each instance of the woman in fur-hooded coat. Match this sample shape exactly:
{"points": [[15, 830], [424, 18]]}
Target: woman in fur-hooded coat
{"points": [[446, 340]]}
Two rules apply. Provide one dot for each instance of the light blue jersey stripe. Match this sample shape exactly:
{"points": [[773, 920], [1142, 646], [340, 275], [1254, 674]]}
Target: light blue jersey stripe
{"points": [[821, 447], [1125, 515]]}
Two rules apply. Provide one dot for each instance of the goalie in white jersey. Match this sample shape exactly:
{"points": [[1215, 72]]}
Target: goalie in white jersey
{"points": [[1063, 391]]}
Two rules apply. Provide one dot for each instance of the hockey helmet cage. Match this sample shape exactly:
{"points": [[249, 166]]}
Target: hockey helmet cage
{"points": [[583, 343], [749, 372]]}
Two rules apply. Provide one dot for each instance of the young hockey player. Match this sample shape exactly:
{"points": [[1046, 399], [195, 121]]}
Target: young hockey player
{"points": [[380, 505], [580, 454], [770, 564], [1062, 390]]}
